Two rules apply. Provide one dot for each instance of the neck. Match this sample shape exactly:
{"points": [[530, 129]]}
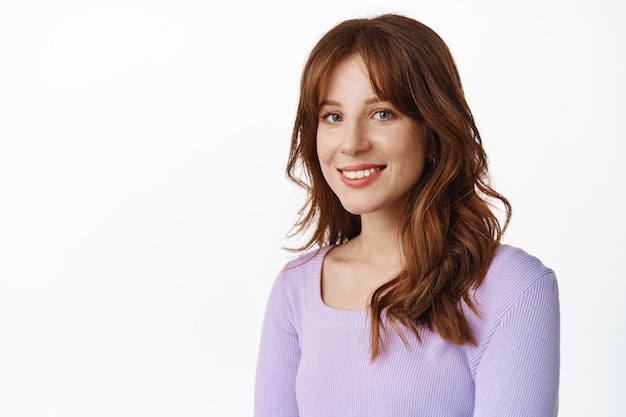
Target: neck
{"points": [[379, 240]]}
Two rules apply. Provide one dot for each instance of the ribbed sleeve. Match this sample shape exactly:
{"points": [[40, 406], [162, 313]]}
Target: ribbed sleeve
{"points": [[518, 374], [279, 356]]}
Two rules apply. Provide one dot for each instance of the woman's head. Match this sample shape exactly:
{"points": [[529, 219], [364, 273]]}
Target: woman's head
{"points": [[410, 66], [448, 233]]}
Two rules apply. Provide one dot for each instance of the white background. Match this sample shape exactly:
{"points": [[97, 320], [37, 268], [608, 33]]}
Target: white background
{"points": [[143, 202]]}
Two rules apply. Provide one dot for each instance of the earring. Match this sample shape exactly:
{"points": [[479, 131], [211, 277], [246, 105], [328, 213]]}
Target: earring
{"points": [[430, 161]]}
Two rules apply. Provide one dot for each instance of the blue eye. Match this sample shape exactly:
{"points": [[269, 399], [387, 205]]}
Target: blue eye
{"points": [[332, 117], [383, 114]]}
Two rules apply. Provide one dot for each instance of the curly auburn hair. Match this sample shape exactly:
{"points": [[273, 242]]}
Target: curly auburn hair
{"points": [[448, 231]]}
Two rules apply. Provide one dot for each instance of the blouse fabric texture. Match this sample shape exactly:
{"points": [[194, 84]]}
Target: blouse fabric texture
{"points": [[314, 361]]}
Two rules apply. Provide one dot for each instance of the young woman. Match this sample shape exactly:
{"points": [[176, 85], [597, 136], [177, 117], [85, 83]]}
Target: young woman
{"points": [[409, 306]]}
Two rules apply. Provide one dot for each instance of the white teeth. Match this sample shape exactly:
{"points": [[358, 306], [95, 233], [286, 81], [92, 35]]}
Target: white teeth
{"points": [[361, 173]]}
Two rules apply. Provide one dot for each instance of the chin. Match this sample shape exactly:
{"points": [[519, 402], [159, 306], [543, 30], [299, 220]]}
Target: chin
{"points": [[364, 206], [359, 209]]}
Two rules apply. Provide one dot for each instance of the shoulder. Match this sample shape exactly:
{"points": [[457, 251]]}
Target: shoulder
{"points": [[514, 259], [511, 273], [301, 261], [296, 275], [512, 278]]}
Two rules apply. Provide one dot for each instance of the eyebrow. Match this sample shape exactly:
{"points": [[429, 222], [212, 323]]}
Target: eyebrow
{"points": [[371, 100], [327, 102]]}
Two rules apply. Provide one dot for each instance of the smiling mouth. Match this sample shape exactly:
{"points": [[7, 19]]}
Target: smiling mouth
{"points": [[362, 173]]}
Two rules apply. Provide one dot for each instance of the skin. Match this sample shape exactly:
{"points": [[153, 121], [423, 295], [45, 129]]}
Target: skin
{"points": [[358, 131]]}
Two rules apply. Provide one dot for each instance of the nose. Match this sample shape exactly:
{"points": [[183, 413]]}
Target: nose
{"points": [[355, 138]]}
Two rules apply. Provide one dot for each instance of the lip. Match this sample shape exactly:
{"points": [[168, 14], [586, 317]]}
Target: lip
{"points": [[360, 182]]}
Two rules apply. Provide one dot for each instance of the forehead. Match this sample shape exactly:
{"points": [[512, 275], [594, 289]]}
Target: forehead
{"points": [[350, 78]]}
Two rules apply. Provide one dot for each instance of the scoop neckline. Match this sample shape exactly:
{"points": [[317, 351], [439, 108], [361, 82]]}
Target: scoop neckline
{"points": [[351, 318], [331, 315]]}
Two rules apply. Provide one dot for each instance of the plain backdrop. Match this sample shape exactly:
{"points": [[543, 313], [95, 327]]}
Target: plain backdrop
{"points": [[143, 202]]}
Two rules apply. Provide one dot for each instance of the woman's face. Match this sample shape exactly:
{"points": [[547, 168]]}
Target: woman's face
{"points": [[371, 155]]}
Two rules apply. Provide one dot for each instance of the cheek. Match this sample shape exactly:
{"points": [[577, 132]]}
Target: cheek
{"points": [[325, 156], [413, 159], [324, 153]]}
